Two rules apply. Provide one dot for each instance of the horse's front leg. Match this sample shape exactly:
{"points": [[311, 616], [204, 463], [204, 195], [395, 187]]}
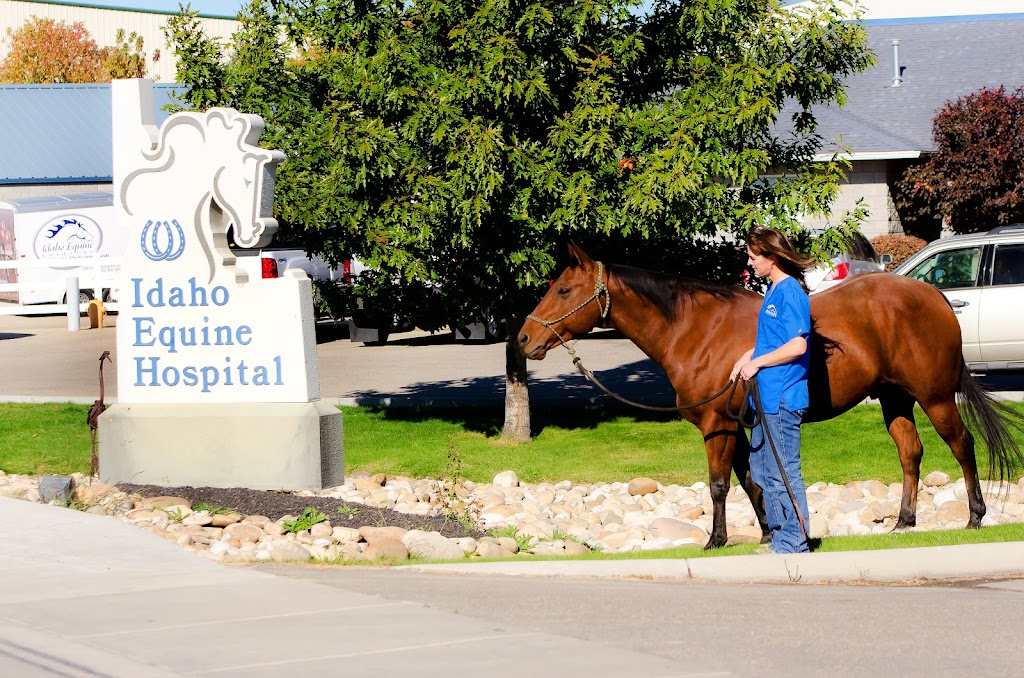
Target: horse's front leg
{"points": [[741, 466], [720, 443]]}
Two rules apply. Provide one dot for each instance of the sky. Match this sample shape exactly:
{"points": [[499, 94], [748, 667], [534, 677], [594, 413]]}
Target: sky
{"points": [[217, 7], [877, 9]]}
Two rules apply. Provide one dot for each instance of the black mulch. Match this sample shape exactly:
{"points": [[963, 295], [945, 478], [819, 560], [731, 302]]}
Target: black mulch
{"points": [[275, 505]]}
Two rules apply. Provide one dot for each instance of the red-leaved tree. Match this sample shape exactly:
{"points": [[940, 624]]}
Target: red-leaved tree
{"points": [[50, 51], [975, 180]]}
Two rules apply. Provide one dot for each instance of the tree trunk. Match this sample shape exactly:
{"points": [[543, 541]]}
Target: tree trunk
{"points": [[517, 393]]}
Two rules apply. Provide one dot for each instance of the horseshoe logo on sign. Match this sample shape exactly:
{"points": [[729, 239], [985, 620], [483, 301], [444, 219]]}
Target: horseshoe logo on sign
{"points": [[161, 242]]}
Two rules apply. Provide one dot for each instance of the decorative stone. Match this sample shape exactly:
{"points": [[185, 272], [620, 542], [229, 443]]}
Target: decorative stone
{"points": [[386, 549], [936, 479], [486, 549], [225, 519], [506, 479], [431, 546], [642, 486], [671, 529], [163, 502], [93, 492], [288, 552], [244, 532], [375, 534], [56, 488]]}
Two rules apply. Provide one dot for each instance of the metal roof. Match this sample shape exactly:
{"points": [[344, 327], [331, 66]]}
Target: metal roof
{"points": [[61, 133], [49, 203]]}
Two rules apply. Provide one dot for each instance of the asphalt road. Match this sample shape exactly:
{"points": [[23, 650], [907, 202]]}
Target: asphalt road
{"points": [[732, 629]]}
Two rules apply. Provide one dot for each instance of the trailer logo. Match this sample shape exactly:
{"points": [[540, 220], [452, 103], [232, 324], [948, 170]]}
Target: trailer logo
{"points": [[162, 243], [69, 236]]}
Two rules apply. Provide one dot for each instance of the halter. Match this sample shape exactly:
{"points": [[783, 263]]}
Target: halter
{"points": [[599, 288]]}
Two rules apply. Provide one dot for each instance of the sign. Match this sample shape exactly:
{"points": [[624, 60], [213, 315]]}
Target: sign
{"points": [[192, 327]]}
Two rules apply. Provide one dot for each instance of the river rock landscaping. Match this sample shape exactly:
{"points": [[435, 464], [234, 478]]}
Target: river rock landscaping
{"points": [[375, 518]]}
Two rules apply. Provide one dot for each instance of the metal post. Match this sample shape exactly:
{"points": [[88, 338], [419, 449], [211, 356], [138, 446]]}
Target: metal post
{"points": [[74, 312]]}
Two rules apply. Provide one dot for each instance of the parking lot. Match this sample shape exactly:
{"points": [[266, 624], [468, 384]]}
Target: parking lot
{"points": [[43, 361]]}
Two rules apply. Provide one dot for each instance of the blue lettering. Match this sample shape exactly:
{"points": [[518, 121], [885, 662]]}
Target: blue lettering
{"points": [[219, 295], [277, 361], [166, 335], [171, 380], [140, 330], [197, 292], [189, 375], [155, 296], [210, 376], [137, 297], [243, 332], [140, 370]]}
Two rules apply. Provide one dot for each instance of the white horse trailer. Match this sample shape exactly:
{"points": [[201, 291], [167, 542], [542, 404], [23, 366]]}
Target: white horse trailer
{"points": [[73, 227]]}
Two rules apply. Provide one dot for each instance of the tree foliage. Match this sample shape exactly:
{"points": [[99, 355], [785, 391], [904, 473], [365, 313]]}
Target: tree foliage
{"points": [[125, 59], [50, 51], [975, 179], [456, 144]]}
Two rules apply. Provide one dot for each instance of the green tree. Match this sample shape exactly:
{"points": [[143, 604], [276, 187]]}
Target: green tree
{"points": [[975, 179], [460, 142]]}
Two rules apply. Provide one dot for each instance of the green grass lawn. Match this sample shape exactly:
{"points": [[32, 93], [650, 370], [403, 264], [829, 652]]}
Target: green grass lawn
{"points": [[582, 445]]}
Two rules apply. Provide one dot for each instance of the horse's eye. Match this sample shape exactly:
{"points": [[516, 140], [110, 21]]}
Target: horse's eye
{"points": [[563, 291]]}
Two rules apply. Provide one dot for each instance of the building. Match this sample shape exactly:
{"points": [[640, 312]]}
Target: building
{"points": [[103, 24], [925, 58], [57, 139]]}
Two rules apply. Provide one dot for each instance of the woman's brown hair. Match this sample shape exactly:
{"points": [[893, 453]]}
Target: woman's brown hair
{"points": [[771, 243]]}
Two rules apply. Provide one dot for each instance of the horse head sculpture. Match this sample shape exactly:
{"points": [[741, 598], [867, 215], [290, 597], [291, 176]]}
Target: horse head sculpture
{"points": [[212, 160], [244, 186]]}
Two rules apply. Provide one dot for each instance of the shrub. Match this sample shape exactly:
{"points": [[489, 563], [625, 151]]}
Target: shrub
{"points": [[899, 247]]}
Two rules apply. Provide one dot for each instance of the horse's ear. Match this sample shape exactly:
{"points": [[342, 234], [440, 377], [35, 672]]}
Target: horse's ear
{"points": [[578, 257]]}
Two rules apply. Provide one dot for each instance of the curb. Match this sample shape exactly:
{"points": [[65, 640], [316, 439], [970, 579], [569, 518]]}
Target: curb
{"points": [[1004, 559]]}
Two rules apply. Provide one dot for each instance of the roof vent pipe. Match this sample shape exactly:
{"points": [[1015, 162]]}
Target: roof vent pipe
{"points": [[896, 70]]}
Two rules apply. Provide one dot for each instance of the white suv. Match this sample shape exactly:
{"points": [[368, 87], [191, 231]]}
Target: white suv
{"points": [[982, 276]]}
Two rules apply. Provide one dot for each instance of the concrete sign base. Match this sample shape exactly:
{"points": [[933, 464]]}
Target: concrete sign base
{"points": [[261, 446]]}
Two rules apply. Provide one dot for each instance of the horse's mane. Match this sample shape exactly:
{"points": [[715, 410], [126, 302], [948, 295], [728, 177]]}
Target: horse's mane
{"points": [[667, 292]]}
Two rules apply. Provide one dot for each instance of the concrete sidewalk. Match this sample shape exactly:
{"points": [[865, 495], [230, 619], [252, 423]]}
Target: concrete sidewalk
{"points": [[84, 595]]}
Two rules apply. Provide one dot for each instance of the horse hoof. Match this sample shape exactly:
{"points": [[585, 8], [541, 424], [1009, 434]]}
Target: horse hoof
{"points": [[713, 544], [766, 539]]}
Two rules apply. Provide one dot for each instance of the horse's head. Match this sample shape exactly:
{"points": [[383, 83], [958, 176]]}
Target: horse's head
{"points": [[71, 228], [243, 186], [576, 303]]}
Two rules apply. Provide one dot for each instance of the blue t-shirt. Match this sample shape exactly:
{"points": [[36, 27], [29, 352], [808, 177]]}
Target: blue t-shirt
{"points": [[785, 314]]}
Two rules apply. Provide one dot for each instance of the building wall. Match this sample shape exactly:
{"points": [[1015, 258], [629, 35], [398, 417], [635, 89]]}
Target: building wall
{"points": [[14, 191], [103, 24], [868, 180]]}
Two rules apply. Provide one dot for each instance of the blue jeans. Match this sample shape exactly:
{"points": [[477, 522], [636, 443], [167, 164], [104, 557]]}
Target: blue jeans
{"points": [[784, 425]]}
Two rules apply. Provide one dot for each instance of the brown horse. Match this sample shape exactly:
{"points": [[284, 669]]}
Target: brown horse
{"points": [[876, 335]]}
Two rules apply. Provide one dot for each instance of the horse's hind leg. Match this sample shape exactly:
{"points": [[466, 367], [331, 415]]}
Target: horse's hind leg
{"points": [[741, 466], [898, 412], [946, 419]]}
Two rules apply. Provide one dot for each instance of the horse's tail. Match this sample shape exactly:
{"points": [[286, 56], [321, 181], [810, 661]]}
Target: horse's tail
{"points": [[995, 421]]}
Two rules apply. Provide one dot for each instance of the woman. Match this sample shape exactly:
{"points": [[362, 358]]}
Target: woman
{"points": [[779, 359]]}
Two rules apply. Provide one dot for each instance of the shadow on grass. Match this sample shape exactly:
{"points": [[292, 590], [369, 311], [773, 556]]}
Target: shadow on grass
{"points": [[570, 402]]}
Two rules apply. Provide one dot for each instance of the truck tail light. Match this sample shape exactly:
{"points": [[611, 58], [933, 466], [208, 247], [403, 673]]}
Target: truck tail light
{"points": [[346, 271], [269, 267], [839, 272]]}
